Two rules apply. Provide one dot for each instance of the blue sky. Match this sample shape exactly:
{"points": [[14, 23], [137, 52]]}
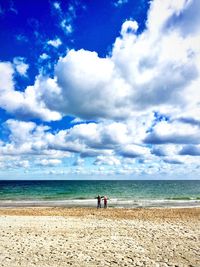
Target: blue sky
{"points": [[99, 89]]}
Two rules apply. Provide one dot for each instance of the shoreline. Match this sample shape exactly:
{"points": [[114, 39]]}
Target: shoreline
{"points": [[112, 203], [112, 213]]}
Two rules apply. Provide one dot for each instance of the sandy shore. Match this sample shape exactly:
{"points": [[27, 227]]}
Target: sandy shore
{"points": [[89, 237]]}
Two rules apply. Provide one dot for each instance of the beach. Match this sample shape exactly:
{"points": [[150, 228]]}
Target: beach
{"points": [[105, 237]]}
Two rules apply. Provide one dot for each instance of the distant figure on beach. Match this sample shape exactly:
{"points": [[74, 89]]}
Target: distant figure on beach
{"points": [[98, 202], [105, 202]]}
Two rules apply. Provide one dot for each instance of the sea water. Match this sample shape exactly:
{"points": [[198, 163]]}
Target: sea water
{"points": [[83, 193]]}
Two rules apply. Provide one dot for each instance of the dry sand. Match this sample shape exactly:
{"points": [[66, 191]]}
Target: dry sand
{"points": [[89, 237]]}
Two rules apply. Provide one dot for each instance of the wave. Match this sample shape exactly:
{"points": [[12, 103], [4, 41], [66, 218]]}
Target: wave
{"points": [[183, 198], [114, 202]]}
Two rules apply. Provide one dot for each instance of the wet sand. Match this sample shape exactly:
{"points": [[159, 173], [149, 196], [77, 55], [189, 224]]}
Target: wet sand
{"points": [[91, 237]]}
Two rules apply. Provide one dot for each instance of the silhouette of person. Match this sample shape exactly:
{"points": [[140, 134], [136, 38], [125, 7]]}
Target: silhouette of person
{"points": [[98, 202], [105, 202]]}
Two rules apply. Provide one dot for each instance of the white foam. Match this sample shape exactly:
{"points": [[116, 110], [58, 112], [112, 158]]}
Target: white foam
{"points": [[130, 203]]}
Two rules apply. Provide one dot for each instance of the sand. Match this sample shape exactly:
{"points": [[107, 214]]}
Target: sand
{"points": [[89, 237]]}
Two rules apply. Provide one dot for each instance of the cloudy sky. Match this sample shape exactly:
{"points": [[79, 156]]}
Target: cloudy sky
{"points": [[100, 89]]}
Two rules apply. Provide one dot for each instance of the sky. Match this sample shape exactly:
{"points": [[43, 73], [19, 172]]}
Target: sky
{"points": [[99, 89]]}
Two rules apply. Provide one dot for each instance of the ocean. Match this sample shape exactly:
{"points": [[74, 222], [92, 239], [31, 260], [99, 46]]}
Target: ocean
{"points": [[83, 193]]}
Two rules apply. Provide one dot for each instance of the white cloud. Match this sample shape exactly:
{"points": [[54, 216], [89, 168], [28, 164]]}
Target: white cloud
{"points": [[173, 132], [57, 5], [15, 163], [77, 120], [49, 162], [6, 72], [148, 73], [45, 149], [103, 136], [119, 3], [83, 75], [134, 151], [78, 162], [55, 43], [129, 27], [107, 160], [44, 56], [23, 164], [190, 150], [66, 26], [156, 70], [20, 65], [166, 150], [172, 161], [27, 104], [67, 15], [160, 12], [90, 139], [23, 138], [20, 131]]}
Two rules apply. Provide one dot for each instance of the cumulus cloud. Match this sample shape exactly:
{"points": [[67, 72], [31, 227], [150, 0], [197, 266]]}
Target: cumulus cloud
{"points": [[24, 138], [166, 150], [85, 80], [91, 139], [166, 132], [129, 27], [88, 139], [134, 151], [151, 72], [156, 70], [190, 150], [20, 130], [28, 103], [118, 155], [6, 72]]}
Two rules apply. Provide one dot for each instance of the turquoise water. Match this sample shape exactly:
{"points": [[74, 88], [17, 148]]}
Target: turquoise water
{"points": [[123, 190]]}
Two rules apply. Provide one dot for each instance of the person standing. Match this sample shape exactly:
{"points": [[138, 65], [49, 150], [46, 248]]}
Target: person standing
{"points": [[98, 201], [105, 202]]}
